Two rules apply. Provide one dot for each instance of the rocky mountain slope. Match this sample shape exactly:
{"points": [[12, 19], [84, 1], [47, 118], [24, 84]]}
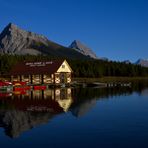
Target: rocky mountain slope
{"points": [[78, 46], [14, 40]]}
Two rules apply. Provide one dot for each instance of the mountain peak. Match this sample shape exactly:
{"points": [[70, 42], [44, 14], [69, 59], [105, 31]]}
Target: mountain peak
{"points": [[11, 25], [80, 47], [9, 28], [142, 62], [77, 42], [15, 40]]}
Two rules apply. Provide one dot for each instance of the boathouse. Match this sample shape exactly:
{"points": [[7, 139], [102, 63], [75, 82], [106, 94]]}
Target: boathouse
{"points": [[42, 72]]}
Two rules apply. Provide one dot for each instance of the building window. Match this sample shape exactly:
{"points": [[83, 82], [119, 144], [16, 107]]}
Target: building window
{"points": [[63, 66]]}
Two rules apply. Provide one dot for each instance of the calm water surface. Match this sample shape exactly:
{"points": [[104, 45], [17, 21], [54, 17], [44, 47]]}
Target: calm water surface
{"points": [[81, 117]]}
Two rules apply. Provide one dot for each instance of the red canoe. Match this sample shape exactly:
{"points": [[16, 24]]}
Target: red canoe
{"points": [[39, 87]]}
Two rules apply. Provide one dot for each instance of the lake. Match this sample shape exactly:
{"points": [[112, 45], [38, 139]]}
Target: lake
{"points": [[115, 117]]}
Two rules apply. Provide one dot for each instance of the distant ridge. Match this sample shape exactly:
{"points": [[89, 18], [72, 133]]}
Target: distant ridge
{"points": [[78, 46], [142, 62], [14, 40]]}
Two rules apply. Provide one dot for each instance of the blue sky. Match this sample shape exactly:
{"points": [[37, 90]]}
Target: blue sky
{"points": [[116, 29]]}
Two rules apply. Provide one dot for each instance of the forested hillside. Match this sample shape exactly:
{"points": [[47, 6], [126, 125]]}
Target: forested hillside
{"points": [[81, 68], [99, 68]]}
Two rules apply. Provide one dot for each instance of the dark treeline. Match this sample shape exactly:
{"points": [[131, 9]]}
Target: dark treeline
{"points": [[99, 68], [81, 68]]}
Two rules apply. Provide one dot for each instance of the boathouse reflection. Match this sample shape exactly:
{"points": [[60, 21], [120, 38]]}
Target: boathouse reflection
{"points": [[61, 96], [22, 111]]}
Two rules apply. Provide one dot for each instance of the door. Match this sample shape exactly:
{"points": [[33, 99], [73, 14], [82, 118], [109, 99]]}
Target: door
{"points": [[63, 78]]}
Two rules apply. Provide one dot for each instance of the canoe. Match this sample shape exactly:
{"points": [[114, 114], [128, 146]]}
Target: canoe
{"points": [[38, 87], [21, 88]]}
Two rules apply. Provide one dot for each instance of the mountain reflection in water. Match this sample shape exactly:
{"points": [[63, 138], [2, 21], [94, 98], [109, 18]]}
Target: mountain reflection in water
{"points": [[22, 111]]}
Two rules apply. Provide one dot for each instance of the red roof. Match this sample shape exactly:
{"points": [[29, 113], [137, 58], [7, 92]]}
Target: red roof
{"points": [[33, 68]]}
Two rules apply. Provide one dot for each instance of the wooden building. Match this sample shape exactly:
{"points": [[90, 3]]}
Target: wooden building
{"points": [[44, 72]]}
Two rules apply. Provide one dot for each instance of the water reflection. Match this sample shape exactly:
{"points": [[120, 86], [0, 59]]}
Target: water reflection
{"points": [[144, 92], [21, 111]]}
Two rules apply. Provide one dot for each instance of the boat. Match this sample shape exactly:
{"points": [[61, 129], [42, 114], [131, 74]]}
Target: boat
{"points": [[20, 86], [39, 87], [20, 92], [5, 86], [5, 94]]}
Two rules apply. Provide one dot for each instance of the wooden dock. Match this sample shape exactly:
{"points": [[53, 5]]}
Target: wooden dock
{"points": [[98, 84]]}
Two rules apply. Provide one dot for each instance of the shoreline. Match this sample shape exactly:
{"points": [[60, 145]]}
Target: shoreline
{"points": [[109, 79]]}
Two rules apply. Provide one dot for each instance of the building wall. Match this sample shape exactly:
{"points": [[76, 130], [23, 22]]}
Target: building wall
{"points": [[36, 79], [63, 75], [47, 79], [25, 78], [62, 78], [15, 78], [56, 78], [68, 77]]}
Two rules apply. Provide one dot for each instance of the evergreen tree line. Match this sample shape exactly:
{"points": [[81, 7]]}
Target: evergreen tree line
{"points": [[81, 68], [99, 68]]}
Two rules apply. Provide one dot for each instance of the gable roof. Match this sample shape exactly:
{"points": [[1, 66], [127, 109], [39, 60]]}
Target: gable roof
{"points": [[33, 68], [67, 67]]}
